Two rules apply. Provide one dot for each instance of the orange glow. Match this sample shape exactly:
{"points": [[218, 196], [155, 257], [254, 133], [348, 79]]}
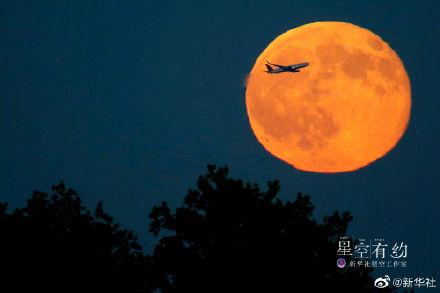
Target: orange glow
{"points": [[347, 109]]}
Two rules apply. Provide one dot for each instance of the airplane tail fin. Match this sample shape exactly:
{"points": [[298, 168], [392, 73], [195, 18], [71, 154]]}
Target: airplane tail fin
{"points": [[269, 68]]}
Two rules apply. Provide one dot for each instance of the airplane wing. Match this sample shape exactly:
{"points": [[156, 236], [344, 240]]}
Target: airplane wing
{"points": [[299, 65]]}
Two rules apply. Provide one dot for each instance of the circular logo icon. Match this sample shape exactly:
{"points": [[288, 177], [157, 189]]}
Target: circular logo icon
{"points": [[382, 282], [341, 263]]}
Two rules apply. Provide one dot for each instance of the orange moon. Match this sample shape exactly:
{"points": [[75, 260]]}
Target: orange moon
{"points": [[348, 108]]}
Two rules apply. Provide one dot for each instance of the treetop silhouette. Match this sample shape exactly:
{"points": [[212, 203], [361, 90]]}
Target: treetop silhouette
{"points": [[55, 244], [230, 236]]}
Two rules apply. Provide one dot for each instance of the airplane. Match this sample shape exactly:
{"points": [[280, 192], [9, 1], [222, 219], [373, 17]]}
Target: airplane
{"points": [[284, 68]]}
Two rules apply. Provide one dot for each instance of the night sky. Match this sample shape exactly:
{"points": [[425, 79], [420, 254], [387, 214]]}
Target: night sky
{"points": [[127, 102]]}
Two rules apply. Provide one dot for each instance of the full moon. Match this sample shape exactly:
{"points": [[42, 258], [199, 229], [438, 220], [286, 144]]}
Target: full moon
{"points": [[348, 108]]}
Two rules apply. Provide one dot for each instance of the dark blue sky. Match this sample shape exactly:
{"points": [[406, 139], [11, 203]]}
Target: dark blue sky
{"points": [[128, 101]]}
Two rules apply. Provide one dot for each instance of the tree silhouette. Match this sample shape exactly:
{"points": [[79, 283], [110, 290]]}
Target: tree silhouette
{"points": [[229, 236], [54, 244]]}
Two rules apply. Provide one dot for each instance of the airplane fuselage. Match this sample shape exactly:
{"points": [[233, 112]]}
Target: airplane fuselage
{"points": [[279, 70], [285, 68]]}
